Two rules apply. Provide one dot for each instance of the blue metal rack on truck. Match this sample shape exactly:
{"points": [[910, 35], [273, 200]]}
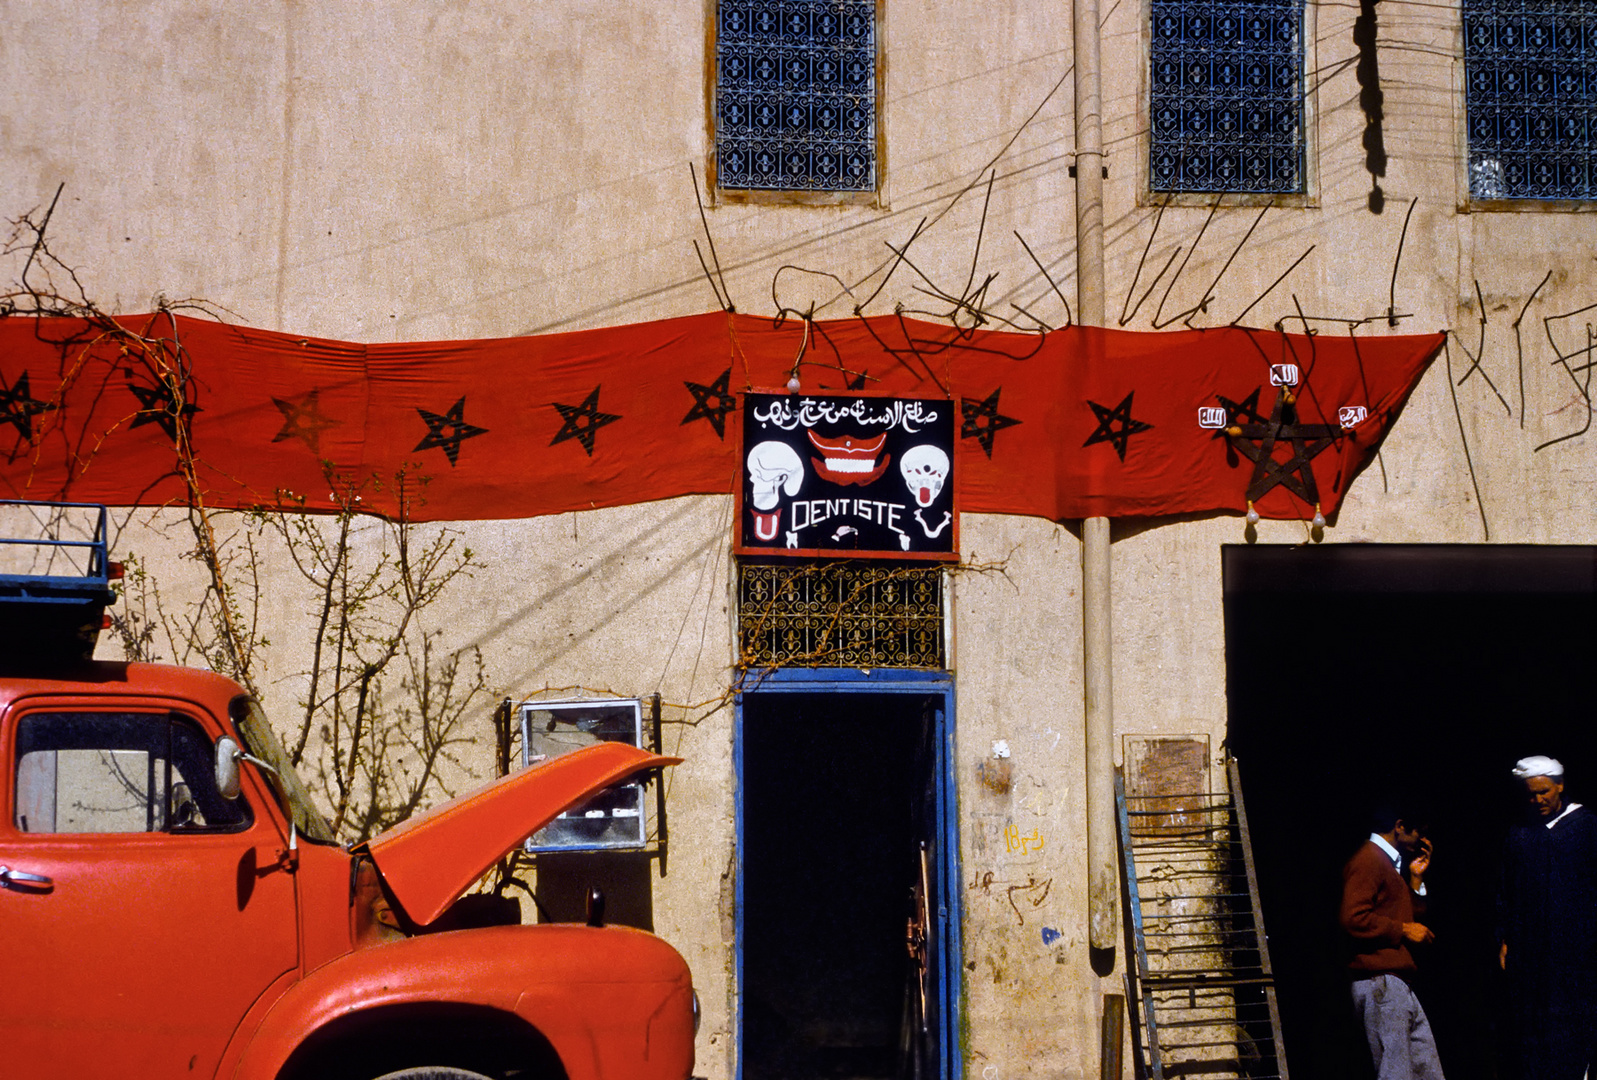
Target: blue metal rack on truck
{"points": [[55, 588]]}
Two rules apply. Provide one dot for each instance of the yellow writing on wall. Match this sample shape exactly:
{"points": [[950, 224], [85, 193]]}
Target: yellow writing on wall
{"points": [[1025, 845]]}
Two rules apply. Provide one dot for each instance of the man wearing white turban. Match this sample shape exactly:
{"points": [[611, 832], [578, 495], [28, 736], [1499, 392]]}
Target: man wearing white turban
{"points": [[1547, 929]]}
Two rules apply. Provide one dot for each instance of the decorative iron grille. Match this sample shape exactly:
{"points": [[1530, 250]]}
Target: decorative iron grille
{"points": [[795, 95], [1227, 96], [1531, 85], [840, 614]]}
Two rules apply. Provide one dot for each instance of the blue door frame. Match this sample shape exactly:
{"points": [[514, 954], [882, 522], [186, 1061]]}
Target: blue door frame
{"points": [[949, 908]]}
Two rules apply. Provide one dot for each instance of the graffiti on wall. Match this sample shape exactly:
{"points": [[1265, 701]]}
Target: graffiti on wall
{"points": [[1015, 843]]}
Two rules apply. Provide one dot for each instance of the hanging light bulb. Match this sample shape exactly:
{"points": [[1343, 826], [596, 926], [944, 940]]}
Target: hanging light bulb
{"points": [[1319, 518], [793, 385], [1253, 515]]}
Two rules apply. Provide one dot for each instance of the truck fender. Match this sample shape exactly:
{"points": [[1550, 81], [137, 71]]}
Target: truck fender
{"points": [[460, 969], [559, 983]]}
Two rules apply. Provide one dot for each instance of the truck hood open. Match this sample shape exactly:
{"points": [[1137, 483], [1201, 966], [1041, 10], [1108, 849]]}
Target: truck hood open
{"points": [[430, 860]]}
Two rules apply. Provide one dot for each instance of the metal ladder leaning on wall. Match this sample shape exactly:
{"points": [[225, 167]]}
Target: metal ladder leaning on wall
{"points": [[1203, 991]]}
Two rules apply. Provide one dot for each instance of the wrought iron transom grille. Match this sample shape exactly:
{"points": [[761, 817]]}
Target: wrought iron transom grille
{"points": [[1227, 96], [1531, 86], [840, 614], [795, 95]]}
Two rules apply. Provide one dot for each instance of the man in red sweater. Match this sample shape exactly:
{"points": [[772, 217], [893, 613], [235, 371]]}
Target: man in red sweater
{"points": [[1381, 902]]}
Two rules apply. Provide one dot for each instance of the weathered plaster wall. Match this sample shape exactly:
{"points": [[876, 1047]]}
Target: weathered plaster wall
{"points": [[414, 171], [1022, 803]]}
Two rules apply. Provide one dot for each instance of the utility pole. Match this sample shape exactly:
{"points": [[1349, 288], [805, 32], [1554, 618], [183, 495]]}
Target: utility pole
{"points": [[1103, 896], [1103, 893]]}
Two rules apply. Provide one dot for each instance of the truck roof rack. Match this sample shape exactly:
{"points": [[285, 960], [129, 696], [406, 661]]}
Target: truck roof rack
{"points": [[55, 579]]}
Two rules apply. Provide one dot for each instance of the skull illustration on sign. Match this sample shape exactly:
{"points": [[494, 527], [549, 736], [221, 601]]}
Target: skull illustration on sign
{"points": [[773, 466], [925, 469]]}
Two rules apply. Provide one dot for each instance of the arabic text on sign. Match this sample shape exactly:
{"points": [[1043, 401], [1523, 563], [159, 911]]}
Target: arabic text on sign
{"points": [[910, 415]]}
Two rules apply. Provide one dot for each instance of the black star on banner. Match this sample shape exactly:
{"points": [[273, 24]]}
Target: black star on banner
{"points": [[448, 431], [1257, 441], [982, 420], [1115, 426], [710, 403], [583, 421], [303, 420], [156, 402], [1237, 411], [18, 406]]}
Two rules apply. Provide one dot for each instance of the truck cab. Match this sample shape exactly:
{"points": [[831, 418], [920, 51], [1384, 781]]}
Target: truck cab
{"points": [[172, 903]]}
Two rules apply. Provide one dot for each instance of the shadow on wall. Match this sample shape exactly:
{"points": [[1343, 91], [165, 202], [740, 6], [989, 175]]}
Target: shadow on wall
{"points": [[1371, 100], [625, 877]]}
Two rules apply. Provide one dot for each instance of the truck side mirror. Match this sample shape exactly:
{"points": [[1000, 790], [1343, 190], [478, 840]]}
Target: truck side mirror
{"points": [[227, 756]]}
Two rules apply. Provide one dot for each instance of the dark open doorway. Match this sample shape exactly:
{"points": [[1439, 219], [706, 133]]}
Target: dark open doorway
{"points": [[839, 797], [1353, 669]]}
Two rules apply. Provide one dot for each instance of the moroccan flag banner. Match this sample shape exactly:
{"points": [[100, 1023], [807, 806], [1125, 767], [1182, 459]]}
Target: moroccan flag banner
{"points": [[160, 409]]}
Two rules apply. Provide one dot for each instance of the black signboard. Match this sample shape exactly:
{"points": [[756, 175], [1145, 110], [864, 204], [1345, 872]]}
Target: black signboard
{"points": [[848, 475]]}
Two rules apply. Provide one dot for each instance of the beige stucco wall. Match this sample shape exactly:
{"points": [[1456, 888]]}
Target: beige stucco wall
{"points": [[414, 171]]}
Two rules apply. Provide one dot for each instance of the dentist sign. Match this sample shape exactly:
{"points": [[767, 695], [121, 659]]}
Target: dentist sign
{"points": [[848, 475]]}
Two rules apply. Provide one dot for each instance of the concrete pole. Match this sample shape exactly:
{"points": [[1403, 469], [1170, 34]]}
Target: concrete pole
{"points": [[1089, 167], [1103, 894], [1103, 897]]}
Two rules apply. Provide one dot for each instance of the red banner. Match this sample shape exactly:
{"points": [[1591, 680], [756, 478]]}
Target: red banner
{"points": [[1075, 423]]}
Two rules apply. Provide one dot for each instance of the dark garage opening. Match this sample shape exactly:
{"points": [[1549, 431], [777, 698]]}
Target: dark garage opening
{"points": [[1355, 668], [831, 786]]}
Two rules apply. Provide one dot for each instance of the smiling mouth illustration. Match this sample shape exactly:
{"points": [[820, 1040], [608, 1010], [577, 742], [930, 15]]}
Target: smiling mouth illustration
{"points": [[849, 459]]}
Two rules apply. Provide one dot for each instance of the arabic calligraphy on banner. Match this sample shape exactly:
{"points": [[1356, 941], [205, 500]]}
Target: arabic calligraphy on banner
{"points": [[848, 474]]}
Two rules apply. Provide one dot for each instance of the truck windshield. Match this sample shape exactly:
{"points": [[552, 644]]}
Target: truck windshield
{"points": [[260, 740]]}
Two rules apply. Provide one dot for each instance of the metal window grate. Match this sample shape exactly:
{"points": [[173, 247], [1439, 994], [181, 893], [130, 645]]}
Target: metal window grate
{"points": [[840, 614], [795, 93], [1530, 94], [1226, 103]]}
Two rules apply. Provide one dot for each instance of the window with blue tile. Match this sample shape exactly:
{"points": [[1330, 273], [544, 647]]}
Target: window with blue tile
{"points": [[1530, 90], [1226, 100], [795, 95]]}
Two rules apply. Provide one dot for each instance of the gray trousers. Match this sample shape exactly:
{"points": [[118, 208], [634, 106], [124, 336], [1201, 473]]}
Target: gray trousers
{"points": [[1394, 1022]]}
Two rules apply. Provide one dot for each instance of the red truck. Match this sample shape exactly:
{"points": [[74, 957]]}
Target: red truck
{"points": [[173, 905]]}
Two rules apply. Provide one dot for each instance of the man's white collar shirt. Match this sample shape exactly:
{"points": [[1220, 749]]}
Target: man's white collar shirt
{"points": [[1397, 860], [1566, 812]]}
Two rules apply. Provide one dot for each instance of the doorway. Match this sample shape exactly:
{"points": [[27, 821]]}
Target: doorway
{"points": [[1353, 671], [845, 940]]}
